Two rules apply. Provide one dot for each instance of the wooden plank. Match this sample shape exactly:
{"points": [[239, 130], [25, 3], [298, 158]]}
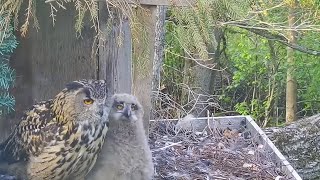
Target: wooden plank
{"points": [[159, 48], [47, 59], [115, 65], [115, 58], [143, 55], [155, 2]]}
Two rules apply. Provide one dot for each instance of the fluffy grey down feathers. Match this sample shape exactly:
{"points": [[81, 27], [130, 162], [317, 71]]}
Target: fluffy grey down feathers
{"points": [[126, 154]]}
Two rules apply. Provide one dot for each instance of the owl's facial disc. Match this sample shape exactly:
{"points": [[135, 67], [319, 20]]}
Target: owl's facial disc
{"points": [[124, 111], [90, 109], [95, 105]]}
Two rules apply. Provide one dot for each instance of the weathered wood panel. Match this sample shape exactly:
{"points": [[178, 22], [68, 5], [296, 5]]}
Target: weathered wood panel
{"points": [[143, 56], [115, 64], [45, 60], [115, 58], [299, 143]]}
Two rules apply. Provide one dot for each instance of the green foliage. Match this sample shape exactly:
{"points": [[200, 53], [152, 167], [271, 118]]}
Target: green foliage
{"points": [[254, 72], [308, 73], [258, 66], [7, 75], [258, 78], [195, 26], [173, 62], [242, 108]]}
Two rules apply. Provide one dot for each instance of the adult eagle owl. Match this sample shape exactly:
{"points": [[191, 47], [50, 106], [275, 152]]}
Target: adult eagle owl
{"points": [[59, 138]]}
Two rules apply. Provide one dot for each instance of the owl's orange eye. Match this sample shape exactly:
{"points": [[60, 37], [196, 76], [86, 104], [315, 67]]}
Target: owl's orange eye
{"points": [[119, 106], [88, 101]]}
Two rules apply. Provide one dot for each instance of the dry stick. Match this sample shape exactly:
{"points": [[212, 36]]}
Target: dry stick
{"points": [[165, 147]]}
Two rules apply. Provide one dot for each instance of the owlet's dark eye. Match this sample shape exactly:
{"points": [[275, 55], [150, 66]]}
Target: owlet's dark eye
{"points": [[119, 107], [88, 101], [134, 107]]}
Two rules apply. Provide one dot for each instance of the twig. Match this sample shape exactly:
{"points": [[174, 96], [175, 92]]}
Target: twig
{"points": [[49, 1], [165, 147]]}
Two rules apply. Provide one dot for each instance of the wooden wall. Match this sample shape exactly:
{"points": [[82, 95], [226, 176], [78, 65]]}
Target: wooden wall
{"points": [[115, 58], [45, 60]]}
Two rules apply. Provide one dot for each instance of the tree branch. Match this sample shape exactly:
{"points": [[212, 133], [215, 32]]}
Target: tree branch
{"points": [[275, 37]]}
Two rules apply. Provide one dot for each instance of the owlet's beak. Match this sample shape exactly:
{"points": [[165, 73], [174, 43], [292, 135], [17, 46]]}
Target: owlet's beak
{"points": [[127, 112]]}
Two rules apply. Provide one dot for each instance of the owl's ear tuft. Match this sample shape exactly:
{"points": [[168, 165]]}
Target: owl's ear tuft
{"points": [[74, 86]]}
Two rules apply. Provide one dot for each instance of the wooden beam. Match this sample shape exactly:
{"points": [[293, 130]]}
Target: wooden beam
{"points": [[115, 65], [115, 58], [143, 55], [159, 47]]}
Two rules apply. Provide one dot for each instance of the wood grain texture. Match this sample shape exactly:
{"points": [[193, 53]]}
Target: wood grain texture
{"points": [[115, 65], [159, 47], [46, 60], [115, 58], [143, 56]]}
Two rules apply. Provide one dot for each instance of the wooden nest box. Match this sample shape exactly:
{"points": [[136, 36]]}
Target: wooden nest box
{"points": [[228, 126]]}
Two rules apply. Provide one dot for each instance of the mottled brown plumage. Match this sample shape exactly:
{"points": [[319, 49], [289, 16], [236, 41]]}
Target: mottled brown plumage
{"points": [[126, 154], [60, 138]]}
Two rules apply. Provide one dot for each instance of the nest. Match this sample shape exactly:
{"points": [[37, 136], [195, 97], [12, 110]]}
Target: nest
{"points": [[210, 154]]}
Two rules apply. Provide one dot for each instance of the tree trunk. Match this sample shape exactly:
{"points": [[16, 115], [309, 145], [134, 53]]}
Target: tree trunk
{"points": [[299, 143], [291, 91], [202, 81], [205, 76]]}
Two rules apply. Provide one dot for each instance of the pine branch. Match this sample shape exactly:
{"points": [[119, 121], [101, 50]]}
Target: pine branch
{"points": [[7, 103], [7, 75]]}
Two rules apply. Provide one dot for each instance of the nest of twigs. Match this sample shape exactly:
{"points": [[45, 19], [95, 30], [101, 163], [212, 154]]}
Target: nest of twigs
{"points": [[210, 154]]}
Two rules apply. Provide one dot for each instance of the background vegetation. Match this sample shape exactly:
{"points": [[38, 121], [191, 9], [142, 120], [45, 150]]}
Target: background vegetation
{"points": [[222, 57], [244, 44], [7, 74]]}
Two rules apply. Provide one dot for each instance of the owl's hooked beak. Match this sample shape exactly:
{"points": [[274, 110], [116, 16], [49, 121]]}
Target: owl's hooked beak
{"points": [[102, 109], [127, 112]]}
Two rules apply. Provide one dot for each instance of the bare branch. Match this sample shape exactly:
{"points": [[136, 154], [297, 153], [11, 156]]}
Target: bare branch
{"points": [[275, 37]]}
